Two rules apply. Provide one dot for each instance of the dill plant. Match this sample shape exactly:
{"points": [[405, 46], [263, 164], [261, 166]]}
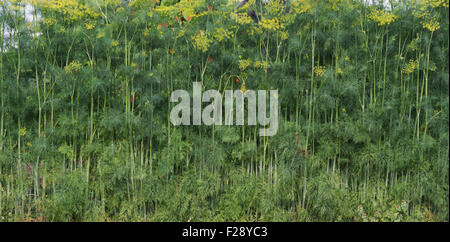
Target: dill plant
{"points": [[85, 89]]}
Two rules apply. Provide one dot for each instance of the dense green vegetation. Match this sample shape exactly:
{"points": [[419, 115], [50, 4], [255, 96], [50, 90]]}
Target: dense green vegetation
{"points": [[85, 133]]}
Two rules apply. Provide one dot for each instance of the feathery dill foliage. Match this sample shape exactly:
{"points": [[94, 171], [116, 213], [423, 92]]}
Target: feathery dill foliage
{"points": [[84, 111]]}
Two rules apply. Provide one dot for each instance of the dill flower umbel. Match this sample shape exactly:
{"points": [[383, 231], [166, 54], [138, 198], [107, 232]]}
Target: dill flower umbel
{"points": [[222, 34], [243, 64], [436, 3], [73, 67], [260, 64], [300, 7], [23, 131], [319, 70], [242, 18], [382, 17], [49, 21], [431, 24], [426, 14], [284, 35], [271, 24], [73, 10], [410, 67], [89, 26], [201, 41]]}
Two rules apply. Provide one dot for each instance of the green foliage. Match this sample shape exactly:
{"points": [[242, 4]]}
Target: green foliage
{"points": [[85, 133]]}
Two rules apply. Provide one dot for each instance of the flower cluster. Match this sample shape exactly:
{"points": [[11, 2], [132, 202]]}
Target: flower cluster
{"points": [[426, 14], [431, 24], [89, 26], [301, 6], [259, 64], [319, 70], [271, 24], [185, 8], [436, 3], [410, 67], [222, 34], [201, 41], [73, 67], [275, 7], [73, 10], [49, 21], [243, 64], [382, 17], [241, 18]]}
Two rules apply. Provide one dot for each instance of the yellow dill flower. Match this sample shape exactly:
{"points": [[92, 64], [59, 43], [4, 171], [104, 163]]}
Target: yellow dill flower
{"points": [[319, 70], [382, 17], [115, 43], [300, 7], [347, 58], [243, 88], [275, 8], [242, 18], [89, 26], [222, 34], [72, 10], [425, 12], [180, 33], [436, 3], [270, 24], [49, 21], [410, 67], [201, 41], [256, 64], [186, 8], [138, 3], [339, 71], [431, 24], [284, 35], [73, 67], [243, 64], [23, 131], [255, 30]]}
